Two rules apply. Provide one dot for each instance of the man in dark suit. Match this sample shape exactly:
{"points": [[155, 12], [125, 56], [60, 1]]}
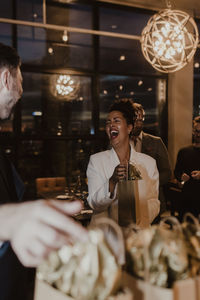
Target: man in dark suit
{"points": [[28, 230], [154, 147]]}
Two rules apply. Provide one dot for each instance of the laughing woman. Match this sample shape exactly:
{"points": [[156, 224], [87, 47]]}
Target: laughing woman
{"points": [[106, 168]]}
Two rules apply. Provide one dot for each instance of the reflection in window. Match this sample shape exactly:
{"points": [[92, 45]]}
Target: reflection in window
{"points": [[51, 158], [123, 55], [66, 14], [70, 55], [150, 92], [8, 148], [30, 165], [46, 47], [6, 9], [45, 112], [112, 19], [29, 10], [66, 158], [31, 44], [5, 34]]}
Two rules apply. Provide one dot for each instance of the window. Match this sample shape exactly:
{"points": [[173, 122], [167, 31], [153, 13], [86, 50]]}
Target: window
{"points": [[46, 112], [148, 91], [70, 79]]}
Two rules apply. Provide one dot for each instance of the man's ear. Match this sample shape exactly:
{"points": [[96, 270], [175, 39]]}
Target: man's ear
{"points": [[5, 78]]}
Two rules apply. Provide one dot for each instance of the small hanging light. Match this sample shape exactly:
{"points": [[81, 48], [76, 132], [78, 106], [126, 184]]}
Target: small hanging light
{"points": [[65, 36], [169, 40]]}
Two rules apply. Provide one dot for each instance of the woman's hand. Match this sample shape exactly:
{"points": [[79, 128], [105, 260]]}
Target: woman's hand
{"points": [[120, 173]]}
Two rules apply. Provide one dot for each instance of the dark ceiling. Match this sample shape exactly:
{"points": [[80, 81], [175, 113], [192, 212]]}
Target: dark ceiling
{"points": [[192, 6]]}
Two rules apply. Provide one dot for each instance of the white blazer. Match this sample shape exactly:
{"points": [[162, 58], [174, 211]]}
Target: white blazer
{"points": [[101, 167]]}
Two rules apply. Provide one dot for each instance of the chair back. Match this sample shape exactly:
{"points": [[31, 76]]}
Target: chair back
{"points": [[48, 185]]}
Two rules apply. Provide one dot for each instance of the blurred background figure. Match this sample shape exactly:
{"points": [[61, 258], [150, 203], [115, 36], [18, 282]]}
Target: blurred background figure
{"points": [[187, 171], [154, 147]]}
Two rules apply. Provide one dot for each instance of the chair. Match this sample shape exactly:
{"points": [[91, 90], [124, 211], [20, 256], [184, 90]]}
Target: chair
{"points": [[48, 186]]}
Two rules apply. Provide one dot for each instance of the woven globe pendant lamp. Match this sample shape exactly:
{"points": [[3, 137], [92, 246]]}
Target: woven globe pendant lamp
{"points": [[169, 40]]}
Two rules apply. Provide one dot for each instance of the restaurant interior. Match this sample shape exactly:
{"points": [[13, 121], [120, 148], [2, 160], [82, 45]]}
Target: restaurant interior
{"points": [[77, 58]]}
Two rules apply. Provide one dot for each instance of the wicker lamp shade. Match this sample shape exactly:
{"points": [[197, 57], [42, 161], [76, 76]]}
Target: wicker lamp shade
{"points": [[64, 87], [169, 40]]}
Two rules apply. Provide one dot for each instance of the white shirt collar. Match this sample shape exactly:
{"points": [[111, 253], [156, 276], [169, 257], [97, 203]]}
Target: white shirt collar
{"points": [[140, 136]]}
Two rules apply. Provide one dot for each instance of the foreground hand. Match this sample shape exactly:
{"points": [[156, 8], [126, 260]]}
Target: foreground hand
{"points": [[195, 175], [36, 228]]}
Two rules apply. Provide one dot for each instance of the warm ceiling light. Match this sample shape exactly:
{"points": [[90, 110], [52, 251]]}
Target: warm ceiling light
{"points": [[122, 57], [64, 87], [169, 40], [140, 82], [196, 65]]}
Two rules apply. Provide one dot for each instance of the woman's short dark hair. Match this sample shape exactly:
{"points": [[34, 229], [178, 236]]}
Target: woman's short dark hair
{"points": [[125, 106], [9, 57]]}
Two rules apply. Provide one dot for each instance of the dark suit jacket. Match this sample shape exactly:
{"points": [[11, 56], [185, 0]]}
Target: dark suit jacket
{"points": [[188, 160], [154, 147], [16, 281]]}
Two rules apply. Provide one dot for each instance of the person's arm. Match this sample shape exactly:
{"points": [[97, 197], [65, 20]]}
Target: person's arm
{"points": [[101, 191], [153, 187], [163, 163], [195, 174], [37, 227]]}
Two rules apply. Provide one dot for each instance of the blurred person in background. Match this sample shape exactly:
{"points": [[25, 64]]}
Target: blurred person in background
{"points": [[28, 230], [154, 147], [187, 171]]}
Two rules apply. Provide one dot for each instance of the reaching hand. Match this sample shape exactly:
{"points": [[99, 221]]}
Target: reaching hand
{"points": [[195, 174], [185, 177], [35, 228]]}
